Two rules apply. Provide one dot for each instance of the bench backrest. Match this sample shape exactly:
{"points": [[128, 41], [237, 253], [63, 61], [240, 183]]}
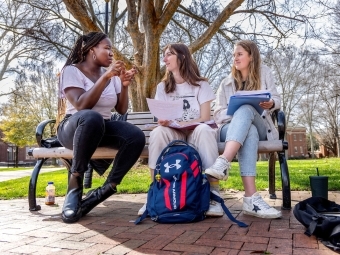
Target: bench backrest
{"points": [[140, 119]]}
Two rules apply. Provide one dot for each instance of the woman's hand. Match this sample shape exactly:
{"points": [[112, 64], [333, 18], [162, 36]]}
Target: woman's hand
{"points": [[267, 105], [164, 123], [183, 123], [127, 76], [115, 69]]}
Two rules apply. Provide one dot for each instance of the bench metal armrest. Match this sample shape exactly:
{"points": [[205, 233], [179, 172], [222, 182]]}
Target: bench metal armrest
{"points": [[281, 124], [40, 130]]}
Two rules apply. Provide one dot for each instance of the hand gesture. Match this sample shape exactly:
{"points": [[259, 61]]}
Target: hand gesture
{"points": [[164, 123], [127, 76], [115, 69]]}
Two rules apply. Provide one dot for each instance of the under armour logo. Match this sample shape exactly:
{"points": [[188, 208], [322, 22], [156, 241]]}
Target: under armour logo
{"points": [[167, 166]]}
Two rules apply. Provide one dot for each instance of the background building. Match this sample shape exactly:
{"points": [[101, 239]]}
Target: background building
{"points": [[10, 154], [297, 142]]}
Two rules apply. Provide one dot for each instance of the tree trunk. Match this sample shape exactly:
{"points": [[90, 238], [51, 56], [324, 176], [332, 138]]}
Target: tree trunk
{"points": [[54, 162], [16, 156], [155, 16], [337, 142], [311, 141]]}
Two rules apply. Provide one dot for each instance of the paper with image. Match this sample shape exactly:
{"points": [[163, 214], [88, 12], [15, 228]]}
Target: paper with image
{"points": [[165, 110]]}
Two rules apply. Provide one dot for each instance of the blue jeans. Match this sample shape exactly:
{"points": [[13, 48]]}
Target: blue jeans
{"points": [[247, 128], [86, 130]]}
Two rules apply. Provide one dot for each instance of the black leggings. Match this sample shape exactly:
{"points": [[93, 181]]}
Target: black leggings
{"points": [[86, 130]]}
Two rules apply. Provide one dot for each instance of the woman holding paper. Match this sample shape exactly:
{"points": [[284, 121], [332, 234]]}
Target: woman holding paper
{"points": [[92, 84], [246, 127], [182, 81]]}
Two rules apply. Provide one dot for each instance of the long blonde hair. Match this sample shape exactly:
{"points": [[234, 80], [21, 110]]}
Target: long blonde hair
{"points": [[253, 81]]}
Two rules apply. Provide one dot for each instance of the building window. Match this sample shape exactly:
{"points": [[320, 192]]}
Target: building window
{"points": [[295, 149], [301, 136], [294, 137], [301, 149]]}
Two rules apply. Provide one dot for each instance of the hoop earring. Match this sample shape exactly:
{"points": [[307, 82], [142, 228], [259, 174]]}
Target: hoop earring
{"points": [[94, 57]]}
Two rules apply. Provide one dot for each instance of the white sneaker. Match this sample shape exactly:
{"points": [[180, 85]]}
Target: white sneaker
{"points": [[220, 169], [256, 206], [215, 208], [141, 210]]}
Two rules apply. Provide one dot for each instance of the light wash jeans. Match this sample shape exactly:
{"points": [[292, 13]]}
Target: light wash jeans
{"points": [[202, 138], [247, 128]]}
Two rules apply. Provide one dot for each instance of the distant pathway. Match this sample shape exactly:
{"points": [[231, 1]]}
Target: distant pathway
{"points": [[10, 175]]}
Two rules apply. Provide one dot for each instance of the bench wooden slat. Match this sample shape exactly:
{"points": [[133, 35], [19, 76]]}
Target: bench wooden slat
{"points": [[102, 152], [139, 115], [140, 122], [62, 152]]}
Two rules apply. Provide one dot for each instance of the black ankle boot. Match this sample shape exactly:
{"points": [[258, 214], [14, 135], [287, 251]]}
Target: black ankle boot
{"points": [[95, 197], [72, 205]]}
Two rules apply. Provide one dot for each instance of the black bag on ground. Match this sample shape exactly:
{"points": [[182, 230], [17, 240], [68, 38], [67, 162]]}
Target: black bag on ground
{"points": [[321, 217]]}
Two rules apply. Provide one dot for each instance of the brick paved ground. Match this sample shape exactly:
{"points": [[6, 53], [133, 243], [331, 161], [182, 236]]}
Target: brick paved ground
{"points": [[109, 229]]}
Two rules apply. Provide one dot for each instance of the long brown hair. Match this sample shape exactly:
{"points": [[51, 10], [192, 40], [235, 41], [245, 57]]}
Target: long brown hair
{"points": [[253, 81], [77, 55], [188, 68]]}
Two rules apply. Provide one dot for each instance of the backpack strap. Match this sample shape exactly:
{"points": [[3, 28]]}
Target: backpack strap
{"points": [[142, 217], [226, 210], [334, 238], [315, 217]]}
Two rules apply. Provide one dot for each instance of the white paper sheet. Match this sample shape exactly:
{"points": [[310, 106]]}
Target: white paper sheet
{"points": [[165, 110], [253, 93], [189, 126]]}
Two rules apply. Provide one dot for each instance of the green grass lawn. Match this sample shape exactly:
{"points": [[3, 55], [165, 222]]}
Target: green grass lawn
{"points": [[138, 179]]}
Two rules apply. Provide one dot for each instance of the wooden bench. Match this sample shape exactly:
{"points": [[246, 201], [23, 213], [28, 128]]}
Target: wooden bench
{"points": [[140, 119]]}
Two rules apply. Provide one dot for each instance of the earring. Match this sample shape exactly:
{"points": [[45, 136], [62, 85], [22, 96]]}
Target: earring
{"points": [[94, 57]]}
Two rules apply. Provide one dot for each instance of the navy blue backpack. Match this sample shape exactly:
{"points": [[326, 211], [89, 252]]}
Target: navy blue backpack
{"points": [[180, 192]]}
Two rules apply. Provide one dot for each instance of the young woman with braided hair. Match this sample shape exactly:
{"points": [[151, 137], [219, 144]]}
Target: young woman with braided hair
{"points": [[93, 84]]}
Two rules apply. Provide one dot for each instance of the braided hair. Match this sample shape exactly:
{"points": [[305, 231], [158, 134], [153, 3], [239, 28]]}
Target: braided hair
{"points": [[77, 55], [82, 46]]}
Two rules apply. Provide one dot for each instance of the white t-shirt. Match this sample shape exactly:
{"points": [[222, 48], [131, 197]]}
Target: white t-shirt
{"points": [[192, 96], [73, 77]]}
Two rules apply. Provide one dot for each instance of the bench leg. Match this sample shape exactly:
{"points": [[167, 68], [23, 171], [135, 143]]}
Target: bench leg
{"points": [[271, 170], [33, 186], [286, 195], [88, 177]]}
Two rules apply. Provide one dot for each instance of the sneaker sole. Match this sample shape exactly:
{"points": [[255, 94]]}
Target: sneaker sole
{"points": [[214, 214], [274, 216], [219, 177]]}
